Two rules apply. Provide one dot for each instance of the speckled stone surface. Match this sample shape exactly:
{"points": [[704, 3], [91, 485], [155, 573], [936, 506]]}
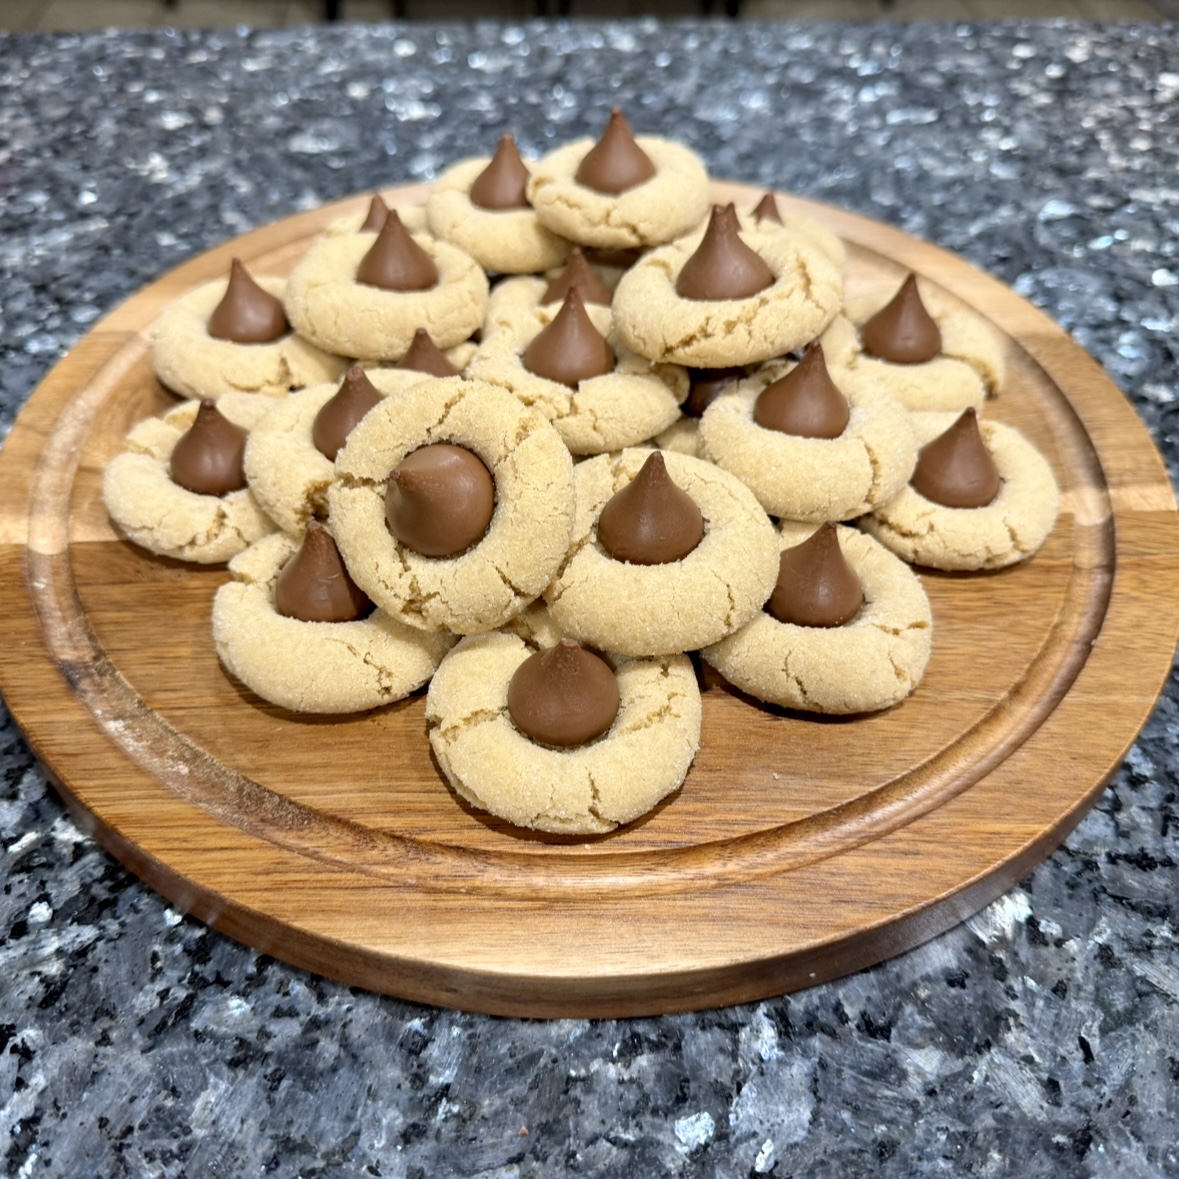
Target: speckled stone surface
{"points": [[1041, 1038]]}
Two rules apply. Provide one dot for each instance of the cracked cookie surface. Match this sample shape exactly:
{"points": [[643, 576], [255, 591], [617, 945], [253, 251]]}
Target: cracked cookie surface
{"points": [[322, 667], [1007, 530], [640, 610], [869, 663], [530, 526], [192, 363], [656, 322], [590, 789], [165, 518], [813, 479]]}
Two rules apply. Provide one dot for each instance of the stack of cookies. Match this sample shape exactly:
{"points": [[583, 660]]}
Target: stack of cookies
{"points": [[541, 441]]}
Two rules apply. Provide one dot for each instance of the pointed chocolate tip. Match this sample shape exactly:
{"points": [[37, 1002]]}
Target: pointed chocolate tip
{"points": [[395, 262], [616, 162], [723, 266], [208, 458], [378, 213], [816, 586], [578, 274], [503, 183], [339, 415], [423, 356], [247, 313], [806, 402], [903, 331], [652, 520], [767, 210], [315, 586], [955, 469], [440, 500], [563, 696], [570, 349]]}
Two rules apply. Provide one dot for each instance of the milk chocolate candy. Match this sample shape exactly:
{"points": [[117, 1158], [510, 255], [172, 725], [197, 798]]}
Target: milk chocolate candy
{"points": [[440, 500], [396, 262], [723, 266], [816, 586], [577, 273], [338, 415], [423, 356], [570, 349], [501, 184], [616, 162], [805, 402], [705, 385], [314, 586], [564, 696], [956, 469], [247, 314], [767, 210], [902, 331], [651, 521], [378, 212], [207, 458]]}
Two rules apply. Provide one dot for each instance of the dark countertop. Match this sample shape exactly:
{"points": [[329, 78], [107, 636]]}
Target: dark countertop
{"points": [[1039, 1038]]}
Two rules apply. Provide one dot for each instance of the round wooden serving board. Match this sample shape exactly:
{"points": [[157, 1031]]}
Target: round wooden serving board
{"points": [[798, 849]]}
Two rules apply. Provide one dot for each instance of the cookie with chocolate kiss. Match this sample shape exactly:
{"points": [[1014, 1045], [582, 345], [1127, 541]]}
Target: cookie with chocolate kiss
{"points": [[723, 266], [816, 586], [502, 183], [902, 331], [570, 349], [440, 500], [396, 262], [247, 314], [956, 470], [578, 273], [314, 585], [806, 402], [207, 458], [338, 416], [564, 696], [616, 162], [650, 521]]}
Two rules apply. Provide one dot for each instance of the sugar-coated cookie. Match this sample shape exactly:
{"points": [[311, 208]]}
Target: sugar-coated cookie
{"points": [[529, 531], [868, 663], [322, 667], [587, 789]]}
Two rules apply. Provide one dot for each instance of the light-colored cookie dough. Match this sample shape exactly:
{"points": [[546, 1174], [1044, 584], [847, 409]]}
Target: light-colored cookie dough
{"points": [[682, 436], [970, 368], [869, 663], [640, 610], [649, 214], [503, 241], [324, 667], [327, 305], [529, 531], [590, 789], [287, 474], [653, 319], [191, 363], [516, 301], [618, 409], [168, 519], [813, 479], [1008, 530]]}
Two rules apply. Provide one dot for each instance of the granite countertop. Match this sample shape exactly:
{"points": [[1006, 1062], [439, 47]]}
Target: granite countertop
{"points": [[1039, 1038]]}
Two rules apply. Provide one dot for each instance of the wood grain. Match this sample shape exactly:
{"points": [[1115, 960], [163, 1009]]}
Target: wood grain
{"points": [[798, 849]]}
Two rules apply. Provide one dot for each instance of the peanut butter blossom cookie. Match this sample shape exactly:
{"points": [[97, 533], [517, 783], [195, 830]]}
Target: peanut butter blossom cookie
{"points": [[847, 629], [559, 739], [453, 505], [233, 336], [179, 487], [622, 192], [295, 628], [723, 298], [669, 554], [981, 497], [364, 294]]}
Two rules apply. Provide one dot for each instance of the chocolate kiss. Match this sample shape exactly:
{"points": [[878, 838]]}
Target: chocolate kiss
{"points": [[767, 210], [207, 458], [378, 211], [956, 469], [723, 266], [440, 500], [902, 331], [816, 586], [338, 416], [650, 521], [705, 385], [501, 184], [247, 314], [396, 262], [616, 162], [563, 696], [805, 402], [570, 349], [423, 357], [577, 273], [314, 586]]}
